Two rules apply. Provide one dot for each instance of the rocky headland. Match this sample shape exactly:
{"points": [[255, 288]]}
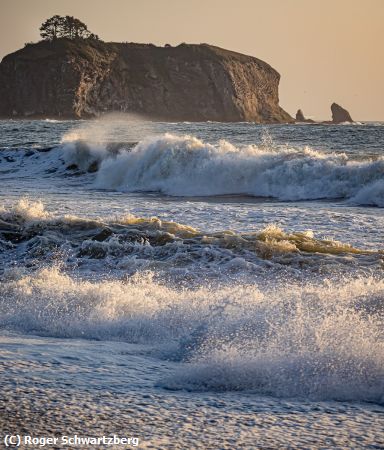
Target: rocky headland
{"points": [[87, 78]]}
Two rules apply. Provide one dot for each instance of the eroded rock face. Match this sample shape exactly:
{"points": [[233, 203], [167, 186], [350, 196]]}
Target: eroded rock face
{"points": [[340, 114], [189, 82]]}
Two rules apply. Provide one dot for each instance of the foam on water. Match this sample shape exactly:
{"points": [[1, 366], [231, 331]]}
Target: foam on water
{"points": [[237, 294], [25, 210], [128, 243], [372, 194], [322, 340], [186, 166]]}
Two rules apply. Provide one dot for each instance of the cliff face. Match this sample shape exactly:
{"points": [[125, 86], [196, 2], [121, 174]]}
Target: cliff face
{"points": [[88, 78]]}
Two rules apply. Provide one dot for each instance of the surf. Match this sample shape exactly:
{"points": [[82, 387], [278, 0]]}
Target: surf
{"points": [[321, 340], [185, 166]]}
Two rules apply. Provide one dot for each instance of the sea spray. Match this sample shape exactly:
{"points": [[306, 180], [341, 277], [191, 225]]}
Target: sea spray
{"points": [[186, 166], [323, 340]]}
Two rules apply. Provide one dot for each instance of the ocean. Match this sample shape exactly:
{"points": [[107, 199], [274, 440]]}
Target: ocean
{"points": [[192, 285]]}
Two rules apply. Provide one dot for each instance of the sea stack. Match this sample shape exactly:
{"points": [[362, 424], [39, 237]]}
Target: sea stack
{"points": [[339, 114], [301, 118], [87, 78]]}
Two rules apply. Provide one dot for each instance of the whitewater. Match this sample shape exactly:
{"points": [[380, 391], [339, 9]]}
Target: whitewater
{"points": [[194, 285]]}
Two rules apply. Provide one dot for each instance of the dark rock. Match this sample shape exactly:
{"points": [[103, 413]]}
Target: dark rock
{"points": [[300, 117], [81, 79], [340, 114]]}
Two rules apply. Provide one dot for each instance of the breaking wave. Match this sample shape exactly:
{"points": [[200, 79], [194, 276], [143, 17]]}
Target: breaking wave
{"points": [[186, 166], [281, 338], [129, 243]]}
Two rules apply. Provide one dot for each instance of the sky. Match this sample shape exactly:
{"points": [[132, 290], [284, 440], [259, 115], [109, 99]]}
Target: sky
{"points": [[325, 51]]}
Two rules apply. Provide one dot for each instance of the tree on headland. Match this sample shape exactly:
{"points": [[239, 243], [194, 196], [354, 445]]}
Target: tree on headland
{"points": [[74, 28], [65, 27], [51, 29]]}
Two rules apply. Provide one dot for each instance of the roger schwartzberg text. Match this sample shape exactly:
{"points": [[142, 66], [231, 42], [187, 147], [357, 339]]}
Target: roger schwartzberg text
{"points": [[17, 440]]}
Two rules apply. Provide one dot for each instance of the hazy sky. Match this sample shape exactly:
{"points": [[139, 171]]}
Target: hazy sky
{"points": [[325, 51]]}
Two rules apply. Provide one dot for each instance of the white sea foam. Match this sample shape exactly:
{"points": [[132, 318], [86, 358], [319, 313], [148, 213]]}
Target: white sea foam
{"points": [[25, 210], [285, 339], [186, 166], [371, 194]]}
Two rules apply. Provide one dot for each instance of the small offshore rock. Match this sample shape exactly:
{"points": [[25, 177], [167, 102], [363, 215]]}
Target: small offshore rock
{"points": [[301, 118], [339, 114]]}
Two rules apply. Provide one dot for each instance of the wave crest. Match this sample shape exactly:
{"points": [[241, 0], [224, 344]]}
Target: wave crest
{"points": [[282, 338], [122, 242], [186, 166]]}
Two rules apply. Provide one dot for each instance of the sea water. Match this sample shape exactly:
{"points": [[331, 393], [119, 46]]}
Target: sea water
{"points": [[196, 285]]}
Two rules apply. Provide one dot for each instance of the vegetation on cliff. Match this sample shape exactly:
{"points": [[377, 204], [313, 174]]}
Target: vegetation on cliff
{"points": [[69, 27]]}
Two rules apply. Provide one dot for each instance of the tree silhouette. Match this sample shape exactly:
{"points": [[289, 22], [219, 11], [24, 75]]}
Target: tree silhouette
{"points": [[73, 28], [65, 27], [52, 28]]}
